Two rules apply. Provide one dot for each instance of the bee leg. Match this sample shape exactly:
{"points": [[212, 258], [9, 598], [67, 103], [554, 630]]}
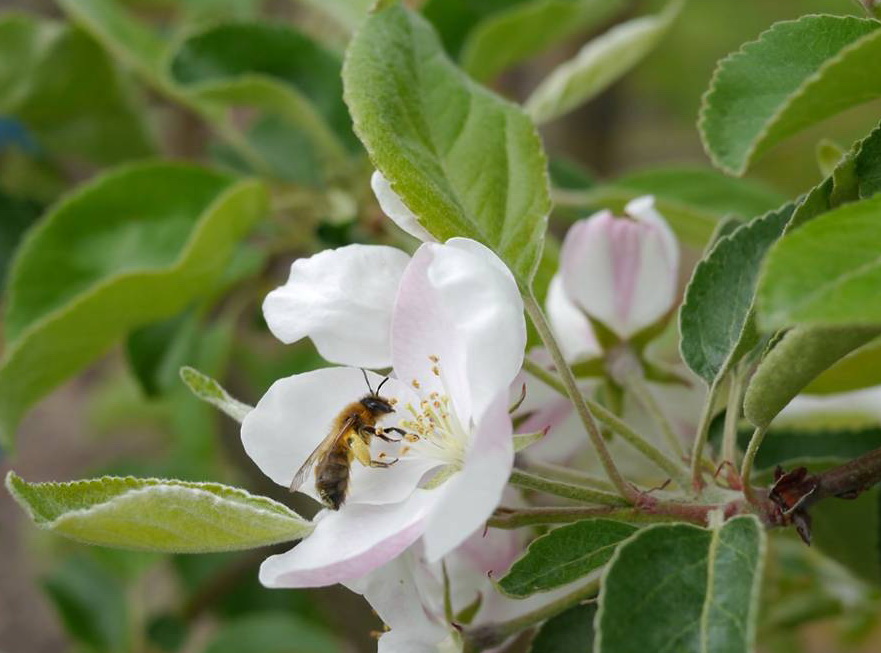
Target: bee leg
{"points": [[383, 463], [381, 432]]}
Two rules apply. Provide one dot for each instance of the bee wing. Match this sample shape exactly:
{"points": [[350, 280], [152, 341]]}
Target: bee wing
{"points": [[324, 445]]}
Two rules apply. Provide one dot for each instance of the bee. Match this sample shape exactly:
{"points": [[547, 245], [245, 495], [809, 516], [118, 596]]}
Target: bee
{"points": [[348, 440]]}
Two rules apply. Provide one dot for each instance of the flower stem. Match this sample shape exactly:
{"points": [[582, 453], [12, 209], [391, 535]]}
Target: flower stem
{"points": [[492, 635], [748, 459], [636, 384], [510, 519], [593, 430], [619, 426], [700, 438], [567, 475], [732, 413], [565, 490]]}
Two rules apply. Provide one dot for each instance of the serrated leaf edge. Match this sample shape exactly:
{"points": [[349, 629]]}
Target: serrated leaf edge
{"points": [[706, 98]]}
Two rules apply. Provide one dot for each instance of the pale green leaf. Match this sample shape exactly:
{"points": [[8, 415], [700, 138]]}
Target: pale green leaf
{"points": [[157, 515], [715, 320], [829, 155], [796, 74], [465, 161], [793, 362], [826, 272], [859, 369], [513, 34], [598, 64], [207, 389], [115, 255], [682, 588], [564, 555]]}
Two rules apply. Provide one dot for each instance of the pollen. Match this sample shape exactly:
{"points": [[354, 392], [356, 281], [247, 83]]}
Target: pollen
{"points": [[415, 384], [434, 358]]}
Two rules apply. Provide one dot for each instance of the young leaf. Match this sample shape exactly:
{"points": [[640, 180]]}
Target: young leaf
{"points": [[598, 64], [715, 320], [465, 161], [859, 369], [793, 362], [513, 34], [207, 389], [273, 68], [796, 74], [157, 515], [113, 256], [682, 588], [564, 555], [826, 272], [568, 631]]}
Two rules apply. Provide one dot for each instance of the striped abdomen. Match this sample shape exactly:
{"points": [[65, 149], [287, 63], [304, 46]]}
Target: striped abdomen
{"points": [[332, 476]]}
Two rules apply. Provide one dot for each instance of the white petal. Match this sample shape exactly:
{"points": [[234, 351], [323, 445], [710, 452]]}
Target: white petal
{"points": [[459, 302], [342, 299], [393, 207], [298, 412], [574, 333], [586, 267], [470, 496], [349, 543]]}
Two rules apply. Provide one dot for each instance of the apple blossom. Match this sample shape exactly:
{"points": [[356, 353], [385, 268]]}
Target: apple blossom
{"points": [[456, 340], [621, 271]]}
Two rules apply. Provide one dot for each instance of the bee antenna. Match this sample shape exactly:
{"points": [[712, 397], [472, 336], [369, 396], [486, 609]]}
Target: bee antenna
{"points": [[381, 384], [367, 381]]}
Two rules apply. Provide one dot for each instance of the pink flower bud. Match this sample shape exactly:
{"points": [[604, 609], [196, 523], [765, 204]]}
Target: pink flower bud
{"points": [[622, 271]]}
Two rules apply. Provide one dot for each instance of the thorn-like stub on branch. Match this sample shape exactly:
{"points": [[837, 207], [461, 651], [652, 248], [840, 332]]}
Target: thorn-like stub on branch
{"points": [[791, 494]]}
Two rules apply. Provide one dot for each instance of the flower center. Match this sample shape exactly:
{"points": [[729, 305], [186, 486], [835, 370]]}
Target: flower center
{"points": [[433, 428]]}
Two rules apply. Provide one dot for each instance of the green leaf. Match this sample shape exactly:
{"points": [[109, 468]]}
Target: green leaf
{"points": [[795, 75], [18, 215], [509, 36], [91, 603], [23, 42], [271, 67], [455, 19], [793, 362], [96, 118], [207, 389], [564, 555], [465, 161], [826, 272], [716, 319], [859, 369], [598, 64], [272, 632], [111, 257], [789, 445], [682, 588], [571, 630], [157, 515], [152, 349], [692, 200], [849, 531], [829, 154]]}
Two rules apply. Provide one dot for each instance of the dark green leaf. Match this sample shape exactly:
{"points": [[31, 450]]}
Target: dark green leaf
{"points": [[91, 603], [465, 161], [849, 531], [564, 555], [152, 349], [569, 632], [796, 74], [454, 19], [157, 515], [111, 257], [16, 215], [789, 445], [272, 633], [715, 320], [525, 29], [682, 588], [793, 362]]}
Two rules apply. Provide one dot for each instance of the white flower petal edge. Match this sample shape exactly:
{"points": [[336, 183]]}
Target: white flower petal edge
{"points": [[572, 328], [394, 208], [349, 543], [459, 304], [298, 412], [342, 299], [468, 499]]}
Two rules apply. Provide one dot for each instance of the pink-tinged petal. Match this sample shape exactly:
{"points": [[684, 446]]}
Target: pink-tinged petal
{"points": [[349, 543], [459, 302], [391, 204], [622, 272], [299, 411], [469, 497], [342, 299], [574, 333]]}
